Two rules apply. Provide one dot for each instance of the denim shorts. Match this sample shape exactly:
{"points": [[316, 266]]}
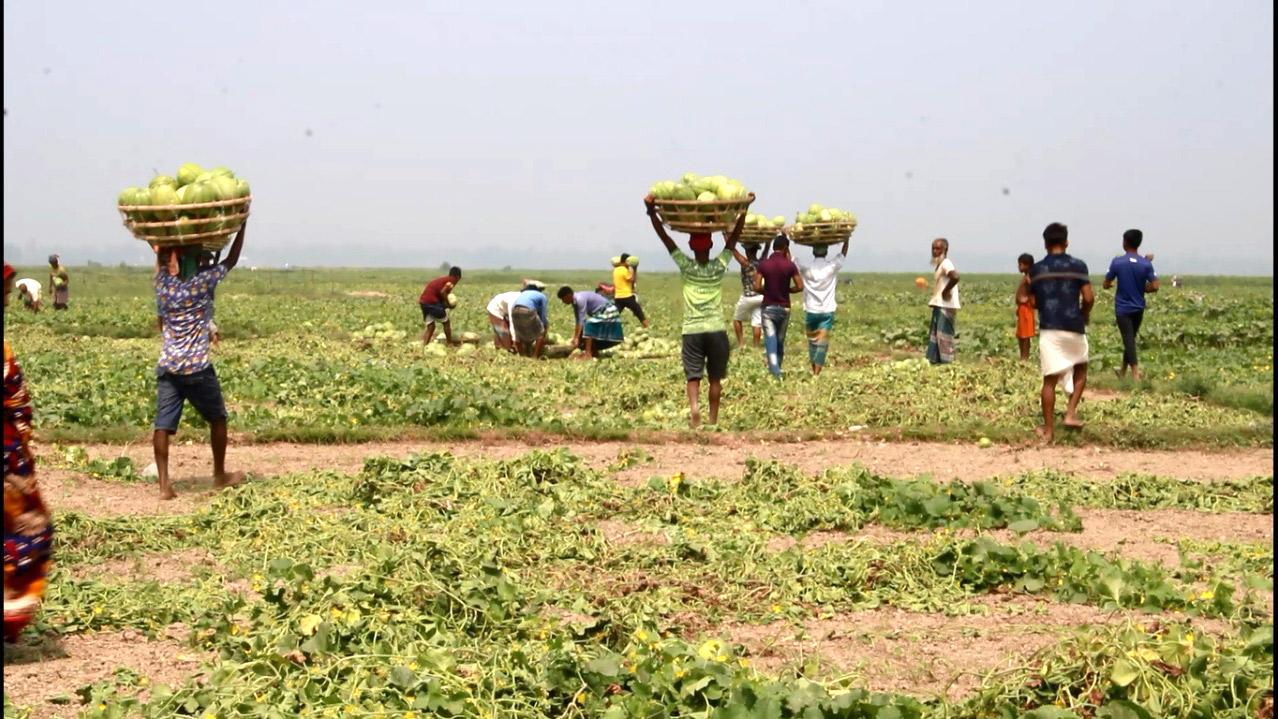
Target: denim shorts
{"points": [[201, 389], [430, 313]]}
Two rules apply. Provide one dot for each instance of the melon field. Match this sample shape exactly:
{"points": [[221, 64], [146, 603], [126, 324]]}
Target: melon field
{"points": [[473, 534]]}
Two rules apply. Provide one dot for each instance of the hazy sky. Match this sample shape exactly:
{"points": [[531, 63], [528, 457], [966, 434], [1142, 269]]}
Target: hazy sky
{"points": [[515, 133]]}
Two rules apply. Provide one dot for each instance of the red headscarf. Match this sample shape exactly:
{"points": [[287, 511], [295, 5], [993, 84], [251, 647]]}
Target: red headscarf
{"points": [[700, 242], [8, 270]]}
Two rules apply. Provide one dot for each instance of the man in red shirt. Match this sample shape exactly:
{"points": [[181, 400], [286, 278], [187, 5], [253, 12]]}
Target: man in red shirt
{"points": [[777, 278], [434, 302]]}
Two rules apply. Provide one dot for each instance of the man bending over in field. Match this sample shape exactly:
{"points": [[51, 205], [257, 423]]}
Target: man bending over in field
{"points": [[1063, 295], [184, 304], [705, 336], [499, 317], [530, 320], [598, 324], [434, 302], [29, 291]]}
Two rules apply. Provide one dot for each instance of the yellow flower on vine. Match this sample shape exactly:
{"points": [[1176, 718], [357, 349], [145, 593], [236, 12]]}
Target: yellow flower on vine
{"points": [[710, 648]]}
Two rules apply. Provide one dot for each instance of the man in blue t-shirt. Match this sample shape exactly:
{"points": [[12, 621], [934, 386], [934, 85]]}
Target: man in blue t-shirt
{"points": [[1136, 276], [529, 319], [1062, 292]]}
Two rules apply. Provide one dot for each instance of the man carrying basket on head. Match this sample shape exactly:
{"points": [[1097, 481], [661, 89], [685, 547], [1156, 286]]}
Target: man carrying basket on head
{"points": [[184, 305], [820, 278], [705, 336], [750, 306]]}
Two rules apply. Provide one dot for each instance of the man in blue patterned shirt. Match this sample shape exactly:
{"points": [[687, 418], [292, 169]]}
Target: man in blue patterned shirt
{"points": [[184, 306], [1062, 292]]}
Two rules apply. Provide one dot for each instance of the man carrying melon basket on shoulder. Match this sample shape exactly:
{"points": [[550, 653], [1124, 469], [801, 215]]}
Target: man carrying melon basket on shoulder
{"points": [[184, 373]]}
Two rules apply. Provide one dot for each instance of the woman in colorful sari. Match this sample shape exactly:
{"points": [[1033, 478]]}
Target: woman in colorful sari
{"points": [[598, 325], [28, 533]]}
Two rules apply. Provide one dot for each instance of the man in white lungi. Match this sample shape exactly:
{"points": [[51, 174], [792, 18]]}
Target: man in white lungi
{"points": [[1062, 293]]}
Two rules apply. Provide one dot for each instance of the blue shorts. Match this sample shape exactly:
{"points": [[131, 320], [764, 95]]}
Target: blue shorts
{"points": [[430, 313], [201, 389]]}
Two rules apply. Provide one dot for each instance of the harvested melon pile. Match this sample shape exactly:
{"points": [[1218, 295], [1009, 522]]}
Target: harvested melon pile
{"points": [[642, 345], [379, 333]]}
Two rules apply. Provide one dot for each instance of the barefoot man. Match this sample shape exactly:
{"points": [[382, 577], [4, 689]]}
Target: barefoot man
{"points": [[1063, 295], [184, 304], [705, 336]]}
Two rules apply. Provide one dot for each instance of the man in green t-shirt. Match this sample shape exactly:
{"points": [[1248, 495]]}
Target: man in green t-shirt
{"points": [[705, 336]]}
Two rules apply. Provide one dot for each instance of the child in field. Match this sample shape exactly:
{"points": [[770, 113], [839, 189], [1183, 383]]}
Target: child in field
{"points": [[1024, 305]]}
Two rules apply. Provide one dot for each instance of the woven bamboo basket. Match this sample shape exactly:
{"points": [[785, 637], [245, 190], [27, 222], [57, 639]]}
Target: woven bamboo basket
{"points": [[692, 216], [172, 225], [758, 235], [821, 233]]}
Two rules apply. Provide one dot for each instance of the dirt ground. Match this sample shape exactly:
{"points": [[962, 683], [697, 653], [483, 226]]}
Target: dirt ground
{"points": [[894, 650], [163, 567], [726, 458], [43, 673], [1131, 534], [890, 649]]}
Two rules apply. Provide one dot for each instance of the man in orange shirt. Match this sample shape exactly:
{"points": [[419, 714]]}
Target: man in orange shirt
{"points": [[1024, 305]]}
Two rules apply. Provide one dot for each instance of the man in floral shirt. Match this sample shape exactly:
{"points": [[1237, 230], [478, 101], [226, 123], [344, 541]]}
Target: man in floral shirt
{"points": [[183, 306]]}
